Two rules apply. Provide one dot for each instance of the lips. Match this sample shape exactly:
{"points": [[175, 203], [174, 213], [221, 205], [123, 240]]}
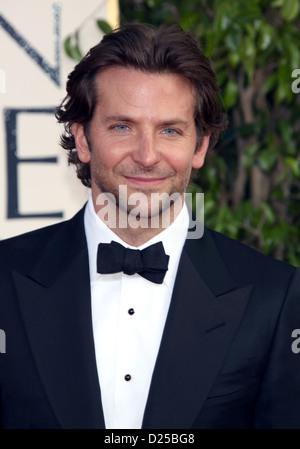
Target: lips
{"points": [[144, 181]]}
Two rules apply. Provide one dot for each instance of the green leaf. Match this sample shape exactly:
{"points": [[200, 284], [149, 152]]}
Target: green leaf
{"points": [[266, 36], [268, 212], [234, 59], [286, 131], [249, 155], [210, 206], [71, 46], [104, 26], [294, 55], [293, 163], [222, 20], [290, 9], [249, 17], [232, 41], [230, 94], [267, 159], [67, 47]]}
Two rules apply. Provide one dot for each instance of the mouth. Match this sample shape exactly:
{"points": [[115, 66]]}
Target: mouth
{"points": [[144, 181]]}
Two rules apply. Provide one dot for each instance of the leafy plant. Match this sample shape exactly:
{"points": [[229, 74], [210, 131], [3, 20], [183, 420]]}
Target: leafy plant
{"points": [[72, 42]]}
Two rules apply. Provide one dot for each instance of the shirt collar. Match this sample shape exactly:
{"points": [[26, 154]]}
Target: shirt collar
{"points": [[173, 239]]}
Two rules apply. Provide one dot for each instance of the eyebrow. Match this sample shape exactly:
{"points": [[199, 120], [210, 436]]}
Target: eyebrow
{"points": [[124, 118], [175, 121], [118, 118]]}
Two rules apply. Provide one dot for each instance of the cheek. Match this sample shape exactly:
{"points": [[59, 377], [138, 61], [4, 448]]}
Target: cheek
{"points": [[103, 156], [110, 152], [180, 163]]}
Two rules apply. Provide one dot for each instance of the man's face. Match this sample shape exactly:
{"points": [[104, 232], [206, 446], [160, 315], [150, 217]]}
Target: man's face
{"points": [[142, 135]]}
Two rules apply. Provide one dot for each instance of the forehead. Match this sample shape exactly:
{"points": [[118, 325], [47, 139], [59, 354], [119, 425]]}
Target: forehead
{"points": [[123, 88]]}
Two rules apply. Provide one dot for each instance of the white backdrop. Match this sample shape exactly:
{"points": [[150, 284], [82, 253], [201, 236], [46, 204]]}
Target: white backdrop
{"points": [[37, 188]]}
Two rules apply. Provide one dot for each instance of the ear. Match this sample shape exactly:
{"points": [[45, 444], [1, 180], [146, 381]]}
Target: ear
{"points": [[200, 152], [81, 143]]}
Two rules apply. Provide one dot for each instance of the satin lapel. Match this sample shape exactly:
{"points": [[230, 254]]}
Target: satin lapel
{"points": [[54, 300], [190, 356]]}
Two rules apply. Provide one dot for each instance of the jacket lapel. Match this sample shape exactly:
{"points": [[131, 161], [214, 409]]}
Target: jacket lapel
{"points": [[190, 357], [54, 299]]}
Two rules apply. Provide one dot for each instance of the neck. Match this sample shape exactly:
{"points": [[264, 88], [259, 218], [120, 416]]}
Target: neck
{"points": [[135, 230], [136, 238]]}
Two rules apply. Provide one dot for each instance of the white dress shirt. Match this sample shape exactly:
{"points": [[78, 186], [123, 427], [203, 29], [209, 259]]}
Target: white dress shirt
{"points": [[128, 315]]}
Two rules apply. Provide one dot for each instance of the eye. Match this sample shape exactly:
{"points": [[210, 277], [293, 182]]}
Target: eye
{"points": [[170, 132], [121, 128]]}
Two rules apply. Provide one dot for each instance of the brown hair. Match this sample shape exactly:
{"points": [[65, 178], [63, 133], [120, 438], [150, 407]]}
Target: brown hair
{"points": [[141, 47]]}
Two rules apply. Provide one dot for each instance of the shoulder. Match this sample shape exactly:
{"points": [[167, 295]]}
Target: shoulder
{"points": [[236, 248], [245, 262], [22, 250]]}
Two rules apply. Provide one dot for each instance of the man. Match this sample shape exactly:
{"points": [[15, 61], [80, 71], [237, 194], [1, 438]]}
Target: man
{"points": [[198, 337]]}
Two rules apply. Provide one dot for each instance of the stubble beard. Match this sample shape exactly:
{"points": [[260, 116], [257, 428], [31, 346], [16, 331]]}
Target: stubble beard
{"points": [[154, 203]]}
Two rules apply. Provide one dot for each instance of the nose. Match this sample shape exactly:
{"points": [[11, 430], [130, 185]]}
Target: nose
{"points": [[146, 152]]}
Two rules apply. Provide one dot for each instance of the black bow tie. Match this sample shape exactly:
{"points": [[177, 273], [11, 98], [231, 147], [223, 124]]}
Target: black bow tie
{"points": [[150, 263]]}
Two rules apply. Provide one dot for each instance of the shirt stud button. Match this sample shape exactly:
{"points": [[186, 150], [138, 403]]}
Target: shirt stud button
{"points": [[131, 311], [127, 377]]}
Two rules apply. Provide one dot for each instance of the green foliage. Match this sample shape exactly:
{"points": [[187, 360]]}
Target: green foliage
{"points": [[104, 26], [71, 46], [72, 42]]}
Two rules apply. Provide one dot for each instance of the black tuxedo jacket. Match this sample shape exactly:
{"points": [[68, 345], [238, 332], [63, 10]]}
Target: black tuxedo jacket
{"points": [[225, 359]]}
